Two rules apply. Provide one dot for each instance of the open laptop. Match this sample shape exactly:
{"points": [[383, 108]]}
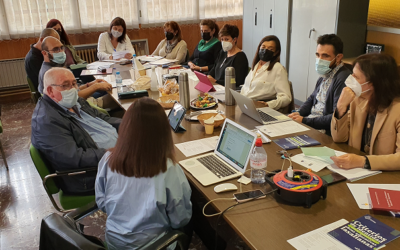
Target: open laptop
{"points": [[264, 115], [230, 157]]}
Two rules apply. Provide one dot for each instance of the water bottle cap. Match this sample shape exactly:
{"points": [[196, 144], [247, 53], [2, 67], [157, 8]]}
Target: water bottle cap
{"points": [[117, 73], [134, 55], [258, 142]]}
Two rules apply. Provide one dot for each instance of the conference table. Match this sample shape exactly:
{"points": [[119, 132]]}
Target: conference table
{"points": [[269, 222]]}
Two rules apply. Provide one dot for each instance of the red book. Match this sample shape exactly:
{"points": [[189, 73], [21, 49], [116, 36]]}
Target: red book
{"points": [[386, 200]]}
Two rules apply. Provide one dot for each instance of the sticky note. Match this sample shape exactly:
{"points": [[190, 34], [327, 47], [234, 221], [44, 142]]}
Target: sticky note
{"points": [[318, 151], [244, 180]]}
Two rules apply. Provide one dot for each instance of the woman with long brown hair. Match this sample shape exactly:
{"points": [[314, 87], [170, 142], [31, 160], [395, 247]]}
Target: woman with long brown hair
{"points": [[72, 56], [172, 47], [139, 184], [267, 79], [367, 114]]}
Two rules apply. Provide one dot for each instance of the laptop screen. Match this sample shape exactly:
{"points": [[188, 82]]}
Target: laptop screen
{"points": [[235, 144]]}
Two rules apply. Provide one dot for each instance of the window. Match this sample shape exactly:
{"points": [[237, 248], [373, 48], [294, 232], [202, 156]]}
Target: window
{"points": [[96, 15], [27, 18]]}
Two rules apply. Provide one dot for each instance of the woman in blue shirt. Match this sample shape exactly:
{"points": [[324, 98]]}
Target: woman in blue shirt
{"points": [[139, 184]]}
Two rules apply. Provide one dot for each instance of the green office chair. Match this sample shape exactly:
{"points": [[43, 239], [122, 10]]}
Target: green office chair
{"points": [[35, 95], [68, 202], [1, 148]]}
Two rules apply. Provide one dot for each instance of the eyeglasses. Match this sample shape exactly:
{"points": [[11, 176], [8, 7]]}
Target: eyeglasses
{"points": [[66, 86], [58, 49]]}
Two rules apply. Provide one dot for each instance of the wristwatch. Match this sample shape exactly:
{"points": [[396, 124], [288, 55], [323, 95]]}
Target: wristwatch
{"points": [[200, 69], [366, 164]]}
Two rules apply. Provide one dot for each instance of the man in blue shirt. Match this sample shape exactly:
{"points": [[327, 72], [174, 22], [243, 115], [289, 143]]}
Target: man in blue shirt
{"points": [[70, 134]]}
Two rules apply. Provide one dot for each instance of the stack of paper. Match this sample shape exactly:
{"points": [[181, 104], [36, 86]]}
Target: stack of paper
{"points": [[282, 128], [111, 79], [149, 58], [95, 65], [119, 54], [353, 174]]}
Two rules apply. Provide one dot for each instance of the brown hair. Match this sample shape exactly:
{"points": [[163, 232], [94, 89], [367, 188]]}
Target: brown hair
{"points": [[63, 34], [175, 26], [276, 58], [229, 30], [212, 25], [380, 70], [145, 142], [118, 22]]}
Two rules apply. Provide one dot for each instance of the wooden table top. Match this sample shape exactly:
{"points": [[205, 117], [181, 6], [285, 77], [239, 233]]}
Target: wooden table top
{"points": [[269, 222]]}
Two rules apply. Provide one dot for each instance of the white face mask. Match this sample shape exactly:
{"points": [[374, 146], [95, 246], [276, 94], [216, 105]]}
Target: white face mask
{"points": [[116, 33], [352, 83], [69, 98], [226, 46]]}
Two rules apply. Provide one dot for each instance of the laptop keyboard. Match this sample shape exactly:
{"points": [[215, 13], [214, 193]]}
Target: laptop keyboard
{"points": [[216, 166], [266, 117]]}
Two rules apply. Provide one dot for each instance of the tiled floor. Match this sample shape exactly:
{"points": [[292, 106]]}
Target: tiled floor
{"points": [[23, 200]]}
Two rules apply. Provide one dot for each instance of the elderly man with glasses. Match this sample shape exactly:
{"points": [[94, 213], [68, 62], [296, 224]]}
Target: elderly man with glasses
{"points": [[54, 56], [69, 133]]}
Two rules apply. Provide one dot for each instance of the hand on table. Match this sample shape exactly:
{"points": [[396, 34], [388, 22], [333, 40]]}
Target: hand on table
{"points": [[191, 65], [293, 114], [128, 56], [212, 80], [346, 97], [296, 117], [265, 103], [349, 161], [101, 85], [111, 57]]}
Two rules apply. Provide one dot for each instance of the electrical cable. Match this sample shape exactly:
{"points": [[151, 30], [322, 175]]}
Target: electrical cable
{"points": [[234, 205]]}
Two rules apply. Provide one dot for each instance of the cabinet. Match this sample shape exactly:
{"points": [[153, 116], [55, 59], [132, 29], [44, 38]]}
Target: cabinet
{"points": [[262, 18]]}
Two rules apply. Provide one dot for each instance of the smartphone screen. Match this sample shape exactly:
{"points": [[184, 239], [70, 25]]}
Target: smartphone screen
{"points": [[248, 195], [333, 178]]}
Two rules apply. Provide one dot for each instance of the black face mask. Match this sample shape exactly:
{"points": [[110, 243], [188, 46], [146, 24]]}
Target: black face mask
{"points": [[59, 32], [169, 35], [265, 55], [206, 36]]}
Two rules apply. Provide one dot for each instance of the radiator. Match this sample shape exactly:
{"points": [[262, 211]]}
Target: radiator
{"points": [[88, 55], [12, 73]]}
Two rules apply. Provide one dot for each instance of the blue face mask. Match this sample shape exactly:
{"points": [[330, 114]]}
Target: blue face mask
{"points": [[322, 66], [69, 98], [59, 57]]}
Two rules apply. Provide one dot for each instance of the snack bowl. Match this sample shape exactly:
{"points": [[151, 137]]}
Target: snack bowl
{"points": [[168, 101], [206, 116]]}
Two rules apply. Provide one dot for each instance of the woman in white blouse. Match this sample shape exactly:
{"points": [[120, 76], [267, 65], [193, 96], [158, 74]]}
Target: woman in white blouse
{"points": [[114, 40], [268, 80], [172, 47]]}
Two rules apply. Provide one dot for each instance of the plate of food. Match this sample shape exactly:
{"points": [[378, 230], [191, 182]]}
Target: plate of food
{"points": [[205, 101]]}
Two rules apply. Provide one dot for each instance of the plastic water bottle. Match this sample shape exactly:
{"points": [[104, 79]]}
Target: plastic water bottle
{"points": [[154, 84], [133, 61], [258, 163], [118, 81]]}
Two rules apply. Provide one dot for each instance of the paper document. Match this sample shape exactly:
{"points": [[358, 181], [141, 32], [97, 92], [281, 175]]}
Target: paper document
{"points": [[149, 58], [318, 151], [353, 174], [315, 165], [119, 54], [360, 192], [163, 61], [219, 93], [196, 147], [282, 128], [95, 65], [319, 239], [111, 79]]}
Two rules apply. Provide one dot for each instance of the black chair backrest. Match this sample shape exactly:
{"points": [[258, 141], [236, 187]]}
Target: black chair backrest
{"points": [[58, 233]]}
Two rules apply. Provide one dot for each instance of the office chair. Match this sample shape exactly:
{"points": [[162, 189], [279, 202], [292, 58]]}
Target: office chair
{"points": [[68, 202], [35, 95], [1, 147], [59, 233]]}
